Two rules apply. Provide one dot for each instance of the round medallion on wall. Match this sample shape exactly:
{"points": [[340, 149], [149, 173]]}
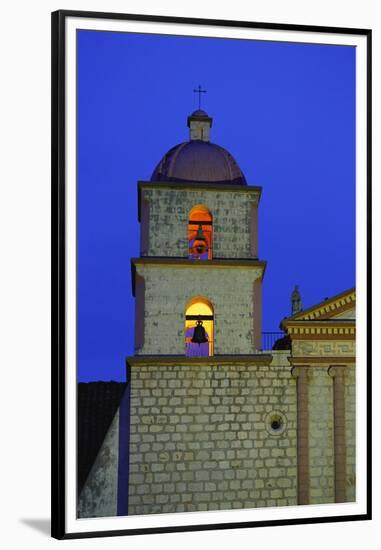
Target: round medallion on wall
{"points": [[276, 423]]}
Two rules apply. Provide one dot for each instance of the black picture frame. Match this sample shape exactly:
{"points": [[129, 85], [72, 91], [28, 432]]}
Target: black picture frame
{"points": [[58, 228]]}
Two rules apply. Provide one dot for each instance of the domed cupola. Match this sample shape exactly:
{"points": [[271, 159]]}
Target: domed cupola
{"points": [[198, 160]]}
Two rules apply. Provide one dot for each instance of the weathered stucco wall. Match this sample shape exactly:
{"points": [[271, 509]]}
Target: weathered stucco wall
{"points": [[168, 220], [201, 438], [99, 494], [168, 289]]}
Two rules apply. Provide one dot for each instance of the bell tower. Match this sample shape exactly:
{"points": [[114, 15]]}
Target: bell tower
{"points": [[197, 287]]}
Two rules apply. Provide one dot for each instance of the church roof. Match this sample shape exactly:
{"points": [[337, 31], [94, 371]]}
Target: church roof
{"points": [[198, 160], [97, 405], [200, 113]]}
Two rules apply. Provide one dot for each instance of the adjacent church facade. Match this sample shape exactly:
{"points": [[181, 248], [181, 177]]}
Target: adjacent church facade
{"points": [[208, 419]]}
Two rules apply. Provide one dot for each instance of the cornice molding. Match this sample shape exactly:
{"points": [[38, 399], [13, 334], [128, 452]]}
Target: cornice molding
{"points": [[257, 359], [320, 330], [316, 361], [245, 189], [181, 263], [185, 262]]}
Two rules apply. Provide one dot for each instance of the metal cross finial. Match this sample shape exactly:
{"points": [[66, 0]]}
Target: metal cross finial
{"points": [[199, 91]]}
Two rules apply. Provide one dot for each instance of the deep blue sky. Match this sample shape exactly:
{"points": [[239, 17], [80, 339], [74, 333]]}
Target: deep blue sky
{"points": [[287, 114]]}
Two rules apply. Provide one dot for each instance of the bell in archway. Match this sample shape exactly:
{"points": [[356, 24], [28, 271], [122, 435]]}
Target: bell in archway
{"points": [[199, 334], [200, 245]]}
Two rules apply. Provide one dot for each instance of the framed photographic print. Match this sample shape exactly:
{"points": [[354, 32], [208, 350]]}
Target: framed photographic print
{"points": [[211, 274]]}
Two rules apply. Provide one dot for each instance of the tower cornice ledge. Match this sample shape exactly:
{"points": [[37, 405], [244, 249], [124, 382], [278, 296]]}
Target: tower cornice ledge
{"points": [[228, 263], [216, 262], [258, 359], [247, 189]]}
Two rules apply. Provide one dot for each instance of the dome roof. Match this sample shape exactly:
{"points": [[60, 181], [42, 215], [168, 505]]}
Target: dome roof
{"points": [[200, 113], [198, 160]]}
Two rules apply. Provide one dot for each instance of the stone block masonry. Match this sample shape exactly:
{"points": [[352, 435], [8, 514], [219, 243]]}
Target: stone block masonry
{"points": [[168, 289], [201, 437], [168, 213]]}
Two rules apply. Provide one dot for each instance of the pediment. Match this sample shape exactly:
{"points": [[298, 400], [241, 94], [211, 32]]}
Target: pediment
{"points": [[340, 306]]}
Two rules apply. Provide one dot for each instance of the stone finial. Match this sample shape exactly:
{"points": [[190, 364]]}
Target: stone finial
{"points": [[296, 301]]}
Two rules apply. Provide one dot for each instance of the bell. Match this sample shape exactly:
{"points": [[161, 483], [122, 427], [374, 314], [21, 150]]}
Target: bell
{"points": [[200, 245], [199, 334]]}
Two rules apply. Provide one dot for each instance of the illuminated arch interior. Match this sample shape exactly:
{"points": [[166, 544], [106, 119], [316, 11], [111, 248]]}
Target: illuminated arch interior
{"points": [[200, 218], [199, 308]]}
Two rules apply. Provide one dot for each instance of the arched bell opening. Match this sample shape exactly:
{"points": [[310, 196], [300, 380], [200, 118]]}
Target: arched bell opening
{"points": [[199, 327], [200, 229]]}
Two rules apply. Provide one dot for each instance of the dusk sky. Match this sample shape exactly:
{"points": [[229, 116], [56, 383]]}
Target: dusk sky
{"points": [[286, 112]]}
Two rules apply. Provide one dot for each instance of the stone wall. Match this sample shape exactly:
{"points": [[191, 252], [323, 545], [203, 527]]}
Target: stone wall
{"points": [[321, 436], [321, 417], [350, 431], [201, 437], [168, 289], [314, 348], [169, 212]]}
